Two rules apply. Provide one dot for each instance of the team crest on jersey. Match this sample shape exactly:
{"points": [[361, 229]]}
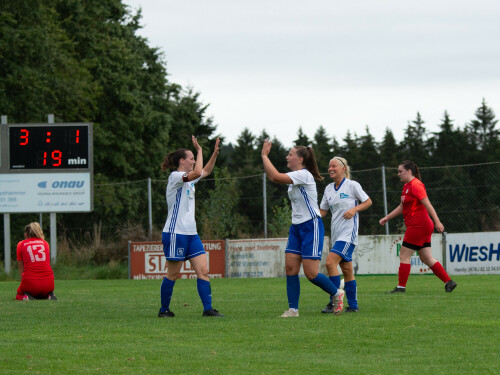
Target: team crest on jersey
{"points": [[343, 196]]}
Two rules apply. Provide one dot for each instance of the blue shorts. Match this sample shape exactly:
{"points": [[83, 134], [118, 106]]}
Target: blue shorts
{"points": [[181, 247], [344, 249], [306, 239]]}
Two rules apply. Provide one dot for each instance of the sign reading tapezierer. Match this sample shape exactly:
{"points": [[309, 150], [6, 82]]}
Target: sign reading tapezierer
{"points": [[147, 261], [46, 168]]}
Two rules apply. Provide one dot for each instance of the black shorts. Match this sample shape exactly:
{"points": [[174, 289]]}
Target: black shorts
{"points": [[416, 247]]}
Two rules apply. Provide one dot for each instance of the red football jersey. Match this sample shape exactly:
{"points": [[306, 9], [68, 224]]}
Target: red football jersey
{"points": [[35, 255], [414, 212]]}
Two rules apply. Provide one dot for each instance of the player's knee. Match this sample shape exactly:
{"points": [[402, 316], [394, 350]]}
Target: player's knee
{"points": [[202, 272], [429, 261], [311, 274]]}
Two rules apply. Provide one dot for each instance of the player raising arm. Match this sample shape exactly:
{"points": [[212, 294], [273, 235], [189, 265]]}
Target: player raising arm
{"points": [[180, 238], [305, 238]]}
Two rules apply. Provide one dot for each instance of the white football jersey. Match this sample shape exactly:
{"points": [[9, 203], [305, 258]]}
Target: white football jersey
{"points": [[180, 202], [304, 196], [338, 201]]}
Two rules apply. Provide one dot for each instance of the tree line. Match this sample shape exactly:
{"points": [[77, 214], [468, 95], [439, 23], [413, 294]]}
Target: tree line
{"points": [[85, 62], [476, 143]]}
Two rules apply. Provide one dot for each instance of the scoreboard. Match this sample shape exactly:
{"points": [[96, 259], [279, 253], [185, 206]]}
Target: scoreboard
{"points": [[49, 147], [46, 167]]}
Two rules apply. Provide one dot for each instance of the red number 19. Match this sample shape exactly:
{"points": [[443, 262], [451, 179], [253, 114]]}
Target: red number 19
{"points": [[56, 156]]}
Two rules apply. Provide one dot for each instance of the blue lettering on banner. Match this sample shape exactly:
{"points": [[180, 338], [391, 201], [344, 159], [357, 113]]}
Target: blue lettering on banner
{"points": [[67, 184], [474, 253]]}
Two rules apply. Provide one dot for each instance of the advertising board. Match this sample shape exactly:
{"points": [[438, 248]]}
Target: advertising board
{"points": [[147, 261], [473, 253]]}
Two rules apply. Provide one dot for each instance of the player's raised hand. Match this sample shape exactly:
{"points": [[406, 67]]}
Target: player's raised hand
{"points": [[216, 148], [195, 143], [266, 148]]}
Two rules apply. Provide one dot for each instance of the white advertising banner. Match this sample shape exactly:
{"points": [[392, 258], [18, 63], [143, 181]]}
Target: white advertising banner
{"points": [[380, 255], [473, 253], [261, 257], [45, 192]]}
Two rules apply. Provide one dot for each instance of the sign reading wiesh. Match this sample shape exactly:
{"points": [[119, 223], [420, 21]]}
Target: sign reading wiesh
{"points": [[147, 261]]}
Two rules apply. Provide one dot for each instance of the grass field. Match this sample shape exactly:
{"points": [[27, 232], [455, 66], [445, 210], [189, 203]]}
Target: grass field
{"points": [[111, 327]]}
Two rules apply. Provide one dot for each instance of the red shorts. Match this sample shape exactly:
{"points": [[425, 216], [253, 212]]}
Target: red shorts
{"points": [[39, 288], [421, 234]]}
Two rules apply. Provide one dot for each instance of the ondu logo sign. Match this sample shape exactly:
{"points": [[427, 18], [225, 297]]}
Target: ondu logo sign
{"points": [[62, 184]]}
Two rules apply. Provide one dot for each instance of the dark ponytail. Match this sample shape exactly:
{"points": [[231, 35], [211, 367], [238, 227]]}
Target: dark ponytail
{"points": [[411, 166], [171, 161], [307, 154]]}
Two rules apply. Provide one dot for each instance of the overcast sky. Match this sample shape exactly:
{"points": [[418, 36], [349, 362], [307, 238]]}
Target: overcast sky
{"points": [[281, 65]]}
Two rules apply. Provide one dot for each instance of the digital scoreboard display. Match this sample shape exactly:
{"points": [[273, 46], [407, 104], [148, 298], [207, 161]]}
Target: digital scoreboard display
{"points": [[49, 147]]}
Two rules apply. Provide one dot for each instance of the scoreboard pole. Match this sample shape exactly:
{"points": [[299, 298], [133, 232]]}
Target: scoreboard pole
{"points": [[6, 229], [53, 220]]}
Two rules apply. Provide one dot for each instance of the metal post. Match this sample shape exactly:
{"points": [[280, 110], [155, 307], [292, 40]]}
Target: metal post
{"points": [[53, 237], [53, 219], [129, 265], [385, 198], [264, 199], [264, 196], [6, 228], [444, 263], [150, 210]]}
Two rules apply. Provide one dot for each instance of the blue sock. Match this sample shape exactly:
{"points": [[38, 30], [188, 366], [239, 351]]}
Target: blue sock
{"points": [[293, 291], [351, 291], [336, 281], [166, 289], [324, 283], [205, 292]]}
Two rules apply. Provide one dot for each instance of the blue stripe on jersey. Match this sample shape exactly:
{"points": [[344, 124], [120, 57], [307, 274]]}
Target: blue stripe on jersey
{"points": [[308, 204], [337, 189], [175, 211], [354, 232]]}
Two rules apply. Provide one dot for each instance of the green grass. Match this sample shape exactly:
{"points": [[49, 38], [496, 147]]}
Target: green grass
{"points": [[111, 327]]}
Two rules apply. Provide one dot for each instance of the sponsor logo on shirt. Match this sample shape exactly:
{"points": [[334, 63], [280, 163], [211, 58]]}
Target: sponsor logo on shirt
{"points": [[343, 196]]}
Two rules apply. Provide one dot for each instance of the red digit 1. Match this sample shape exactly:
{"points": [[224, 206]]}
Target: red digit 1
{"points": [[24, 137], [44, 158], [77, 136], [56, 158]]}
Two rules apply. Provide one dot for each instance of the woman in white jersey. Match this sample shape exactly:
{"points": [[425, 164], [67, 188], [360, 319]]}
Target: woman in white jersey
{"points": [[344, 198], [305, 238], [180, 238]]}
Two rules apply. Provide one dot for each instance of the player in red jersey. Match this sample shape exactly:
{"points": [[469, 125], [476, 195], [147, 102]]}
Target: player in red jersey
{"points": [[33, 257], [416, 209]]}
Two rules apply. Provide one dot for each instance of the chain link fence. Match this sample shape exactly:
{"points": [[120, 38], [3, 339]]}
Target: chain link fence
{"points": [[466, 199]]}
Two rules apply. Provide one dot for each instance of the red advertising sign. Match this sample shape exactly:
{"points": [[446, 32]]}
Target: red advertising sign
{"points": [[147, 261]]}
